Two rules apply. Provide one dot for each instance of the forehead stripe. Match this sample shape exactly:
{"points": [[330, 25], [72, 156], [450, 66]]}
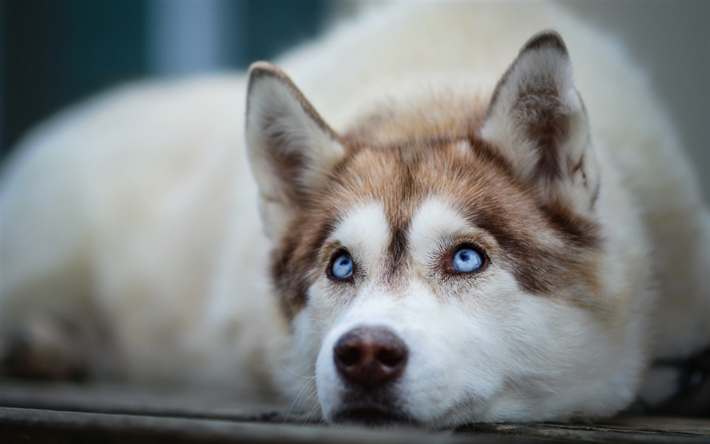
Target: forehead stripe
{"points": [[397, 248]]}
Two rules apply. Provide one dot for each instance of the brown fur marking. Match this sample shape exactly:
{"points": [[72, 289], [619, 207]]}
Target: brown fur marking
{"points": [[478, 182]]}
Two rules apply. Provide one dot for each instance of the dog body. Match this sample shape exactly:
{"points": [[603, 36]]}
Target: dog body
{"points": [[134, 218]]}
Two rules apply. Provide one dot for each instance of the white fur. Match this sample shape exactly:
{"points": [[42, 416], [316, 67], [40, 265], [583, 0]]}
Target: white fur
{"points": [[365, 233], [487, 354], [137, 212]]}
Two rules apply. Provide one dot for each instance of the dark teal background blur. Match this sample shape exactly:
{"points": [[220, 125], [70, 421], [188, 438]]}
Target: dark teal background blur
{"points": [[55, 52]]}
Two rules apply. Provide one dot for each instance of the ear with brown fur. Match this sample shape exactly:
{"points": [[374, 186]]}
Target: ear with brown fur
{"points": [[537, 119], [291, 149]]}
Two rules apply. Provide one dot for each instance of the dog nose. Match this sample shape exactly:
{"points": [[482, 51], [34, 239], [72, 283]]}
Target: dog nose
{"points": [[370, 356]]}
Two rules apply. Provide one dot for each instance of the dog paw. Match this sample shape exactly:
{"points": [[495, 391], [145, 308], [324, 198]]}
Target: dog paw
{"points": [[41, 349]]}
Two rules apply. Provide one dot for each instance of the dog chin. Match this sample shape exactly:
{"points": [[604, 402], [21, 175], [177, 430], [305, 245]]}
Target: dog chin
{"points": [[372, 415]]}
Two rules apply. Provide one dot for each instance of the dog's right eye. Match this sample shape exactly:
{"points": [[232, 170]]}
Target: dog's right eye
{"points": [[466, 259], [341, 267]]}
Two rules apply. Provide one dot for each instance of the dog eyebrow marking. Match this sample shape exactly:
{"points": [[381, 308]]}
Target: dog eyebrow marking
{"points": [[434, 220], [365, 232]]}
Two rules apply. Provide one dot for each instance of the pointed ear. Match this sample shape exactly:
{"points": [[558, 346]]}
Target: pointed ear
{"points": [[538, 121], [291, 149]]}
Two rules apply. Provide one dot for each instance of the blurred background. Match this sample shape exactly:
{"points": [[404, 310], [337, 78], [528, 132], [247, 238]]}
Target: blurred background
{"points": [[55, 52]]}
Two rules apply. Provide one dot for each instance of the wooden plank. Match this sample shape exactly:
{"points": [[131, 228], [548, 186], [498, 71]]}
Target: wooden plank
{"points": [[76, 412], [626, 430], [56, 427], [660, 424], [136, 400]]}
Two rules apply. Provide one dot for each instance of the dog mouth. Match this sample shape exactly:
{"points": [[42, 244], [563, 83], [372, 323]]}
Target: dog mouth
{"points": [[372, 416]]}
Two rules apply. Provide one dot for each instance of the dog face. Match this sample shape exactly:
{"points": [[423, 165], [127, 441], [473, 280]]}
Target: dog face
{"points": [[452, 276]]}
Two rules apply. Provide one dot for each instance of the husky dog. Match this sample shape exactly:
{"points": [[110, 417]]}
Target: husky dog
{"points": [[443, 241]]}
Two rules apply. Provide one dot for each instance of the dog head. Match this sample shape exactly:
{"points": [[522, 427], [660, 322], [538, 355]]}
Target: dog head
{"points": [[455, 273]]}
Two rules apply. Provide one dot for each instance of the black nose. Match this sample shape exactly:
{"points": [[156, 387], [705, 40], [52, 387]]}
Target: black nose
{"points": [[370, 356]]}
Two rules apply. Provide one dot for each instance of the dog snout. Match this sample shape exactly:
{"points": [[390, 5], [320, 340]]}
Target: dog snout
{"points": [[370, 357]]}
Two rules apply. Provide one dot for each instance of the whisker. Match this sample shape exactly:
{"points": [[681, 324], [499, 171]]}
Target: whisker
{"points": [[311, 379], [291, 371], [310, 415]]}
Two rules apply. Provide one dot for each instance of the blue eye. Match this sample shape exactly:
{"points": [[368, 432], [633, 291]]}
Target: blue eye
{"points": [[467, 260], [342, 267]]}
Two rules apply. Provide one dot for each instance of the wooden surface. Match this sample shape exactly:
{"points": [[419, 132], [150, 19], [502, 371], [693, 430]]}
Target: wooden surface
{"points": [[60, 413]]}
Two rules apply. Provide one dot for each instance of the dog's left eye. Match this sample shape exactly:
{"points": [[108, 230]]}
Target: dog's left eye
{"points": [[342, 267], [467, 260]]}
